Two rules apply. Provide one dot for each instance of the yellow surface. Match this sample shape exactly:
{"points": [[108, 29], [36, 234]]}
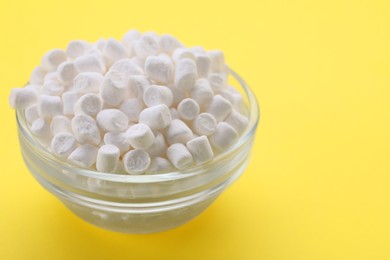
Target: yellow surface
{"points": [[318, 186]]}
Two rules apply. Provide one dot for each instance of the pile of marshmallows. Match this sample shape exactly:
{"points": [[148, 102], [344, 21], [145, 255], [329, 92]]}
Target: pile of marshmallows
{"points": [[145, 104]]}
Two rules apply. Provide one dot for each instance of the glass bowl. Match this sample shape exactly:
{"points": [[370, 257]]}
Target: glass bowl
{"points": [[140, 203]]}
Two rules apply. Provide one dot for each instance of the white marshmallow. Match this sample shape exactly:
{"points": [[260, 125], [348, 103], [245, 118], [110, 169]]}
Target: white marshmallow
{"points": [[146, 46], [52, 59], [69, 99], [90, 63], [34, 87], [89, 104], [63, 144], [204, 124], [168, 43], [159, 165], [117, 139], [84, 156], [188, 109], [132, 108], [179, 156], [158, 147], [202, 93], [217, 81], [155, 95], [234, 97], [66, 72], [178, 95], [140, 136], [31, 113], [224, 136], [107, 158], [237, 120], [137, 86], [219, 107], [20, 98], [114, 51], [50, 76], [112, 120], [136, 161], [197, 50], [182, 53], [37, 75], [203, 64], [159, 68], [41, 128], [52, 88], [99, 45], [60, 124], [156, 117], [49, 106], [87, 82], [217, 60], [113, 88], [85, 129], [200, 149], [77, 48], [127, 67], [128, 39], [174, 113], [186, 74], [178, 132]]}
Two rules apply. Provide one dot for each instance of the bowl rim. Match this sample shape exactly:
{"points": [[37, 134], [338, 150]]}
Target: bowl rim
{"points": [[254, 118]]}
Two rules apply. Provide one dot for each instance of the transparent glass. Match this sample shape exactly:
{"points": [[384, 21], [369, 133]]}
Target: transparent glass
{"points": [[140, 203]]}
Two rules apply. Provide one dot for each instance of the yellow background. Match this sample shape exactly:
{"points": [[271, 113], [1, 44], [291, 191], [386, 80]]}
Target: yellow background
{"points": [[318, 186]]}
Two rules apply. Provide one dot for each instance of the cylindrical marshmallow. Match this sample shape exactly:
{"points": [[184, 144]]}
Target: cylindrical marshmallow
{"points": [[204, 124], [52, 88], [178, 132], [77, 48], [188, 109], [202, 93], [60, 124], [85, 129], [186, 74], [159, 165], [174, 113], [66, 72], [117, 139], [107, 158], [158, 147], [219, 107], [237, 120], [159, 68], [136, 161], [137, 86], [90, 63], [217, 60], [89, 104], [203, 64], [224, 136], [114, 51], [128, 39], [84, 156], [156, 95], [156, 117], [217, 82], [234, 97], [178, 95], [20, 98], [112, 120], [182, 53], [127, 67], [179, 156], [87, 82], [113, 88], [49, 106], [200, 149], [132, 108], [63, 144], [52, 59], [69, 99], [41, 128], [37, 75], [146, 46], [31, 113], [168, 43], [140, 136]]}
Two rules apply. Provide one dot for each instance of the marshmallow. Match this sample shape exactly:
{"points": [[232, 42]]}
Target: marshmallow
{"points": [[159, 68], [178, 95], [132, 108], [146, 46], [87, 82], [66, 72], [52, 59], [31, 113], [197, 50], [234, 97], [224, 136], [137, 86], [69, 99], [50, 76], [168, 43], [85, 129], [37, 75], [140, 136], [49, 106], [84, 156], [112, 120], [237, 120], [41, 128], [200, 149], [63, 144], [186, 74], [89, 104], [20, 98], [217, 60], [156, 117], [178, 132], [203, 64], [128, 39], [188, 109], [174, 113], [107, 158], [179, 156], [118, 139], [159, 165], [156, 95], [114, 51], [182, 53], [127, 68], [76, 49], [217, 81], [136, 161], [219, 107], [204, 124], [60, 124], [202, 93], [52, 88], [90, 63], [113, 88], [158, 147]]}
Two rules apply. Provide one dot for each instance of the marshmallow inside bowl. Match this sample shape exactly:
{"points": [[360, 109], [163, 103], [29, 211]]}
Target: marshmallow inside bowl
{"points": [[148, 129]]}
